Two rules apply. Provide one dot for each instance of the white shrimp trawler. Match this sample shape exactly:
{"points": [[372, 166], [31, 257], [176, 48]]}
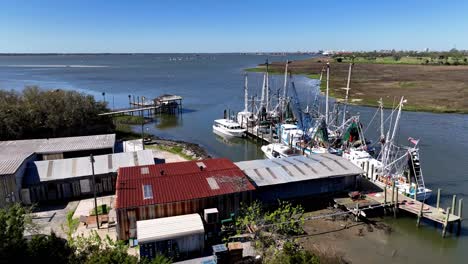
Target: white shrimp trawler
{"points": [[395, 165], [227, 127], [278, 150]]}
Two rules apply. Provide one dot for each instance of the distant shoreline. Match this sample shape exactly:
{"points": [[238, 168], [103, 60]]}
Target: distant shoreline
{"points": [[157, 53]]}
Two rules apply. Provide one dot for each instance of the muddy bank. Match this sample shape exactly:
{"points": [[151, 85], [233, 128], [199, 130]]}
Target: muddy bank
{"points": [[339, 239]]}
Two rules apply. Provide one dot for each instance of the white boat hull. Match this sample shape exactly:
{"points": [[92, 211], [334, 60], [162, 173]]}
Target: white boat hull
{"points": [[229, 133]]}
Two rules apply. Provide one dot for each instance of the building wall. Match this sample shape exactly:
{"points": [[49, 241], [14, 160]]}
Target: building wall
{"points": [[189, 246], [8, 192], [271, 194], [72, 188], [226, 204]]}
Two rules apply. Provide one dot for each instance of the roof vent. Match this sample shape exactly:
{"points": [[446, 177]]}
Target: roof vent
{"points": [[144, 170], [201, 165], [162, 172]]}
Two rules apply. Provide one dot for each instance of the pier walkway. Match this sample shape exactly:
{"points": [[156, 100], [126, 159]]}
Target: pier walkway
{"points": [[388, 199]]}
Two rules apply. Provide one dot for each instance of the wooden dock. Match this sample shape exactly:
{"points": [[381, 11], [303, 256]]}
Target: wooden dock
{"points": [[170, 104], [391, 199], [255, 134]]}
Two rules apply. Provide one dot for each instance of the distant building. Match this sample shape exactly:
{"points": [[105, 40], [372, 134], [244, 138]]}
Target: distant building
{"points": [[299, 177], [164, 190], [66, 179], [16, 155]]}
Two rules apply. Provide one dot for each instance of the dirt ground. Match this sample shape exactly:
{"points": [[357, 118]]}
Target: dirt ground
{"points": [[426, 87], [341, 238]]}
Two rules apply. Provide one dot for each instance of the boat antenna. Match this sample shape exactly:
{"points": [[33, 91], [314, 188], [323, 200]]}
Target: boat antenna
{"points": [[382, 132], [285, 85]]}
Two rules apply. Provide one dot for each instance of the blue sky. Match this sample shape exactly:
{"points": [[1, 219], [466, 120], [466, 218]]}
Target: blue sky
{"points": [[230, 26]]}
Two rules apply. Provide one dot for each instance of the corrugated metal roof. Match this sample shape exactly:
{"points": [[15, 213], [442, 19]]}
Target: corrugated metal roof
{"points": [[49, 170], [297, 168], [169, 228], [14, 152], [179, 181]]}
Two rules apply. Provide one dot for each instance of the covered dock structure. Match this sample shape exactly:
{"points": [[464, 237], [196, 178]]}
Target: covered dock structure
{"points": [[299, 176]]}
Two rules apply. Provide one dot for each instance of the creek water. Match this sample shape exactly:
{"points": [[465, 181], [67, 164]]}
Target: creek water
{"points": [[211, 83]]}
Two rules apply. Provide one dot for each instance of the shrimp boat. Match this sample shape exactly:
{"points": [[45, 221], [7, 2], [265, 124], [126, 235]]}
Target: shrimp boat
{"points": [[278, 150], [395, 165], [228, 127]]}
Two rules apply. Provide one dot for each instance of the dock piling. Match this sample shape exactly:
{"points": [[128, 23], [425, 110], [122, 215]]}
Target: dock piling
{"points": [[460, 207], [395, 209], [444, 230], [454, 202], [420, 214], [438, 198]]}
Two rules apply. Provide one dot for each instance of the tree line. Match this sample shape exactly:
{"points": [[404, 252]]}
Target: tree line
{"points": [[38, 113]]}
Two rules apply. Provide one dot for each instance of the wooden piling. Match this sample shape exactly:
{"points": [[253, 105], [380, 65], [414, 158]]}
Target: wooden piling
{"points": [[438, 198], [420, 215], [393, 192], [444, 230], [395, 209], [460, 207], [454, 202]]}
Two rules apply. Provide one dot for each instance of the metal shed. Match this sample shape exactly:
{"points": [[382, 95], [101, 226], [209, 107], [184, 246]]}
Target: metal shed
{"points": [[15, 156], [185, 233], [299, 176], [71, 178]]}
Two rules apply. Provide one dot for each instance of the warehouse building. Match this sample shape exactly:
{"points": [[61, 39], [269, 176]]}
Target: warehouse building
{"points": [[16, 155], [178, 237], [164, 190], [66, 179], [299, 176]]}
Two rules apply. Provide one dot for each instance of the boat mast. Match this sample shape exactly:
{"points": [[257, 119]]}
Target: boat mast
{"points": [[347, 92], [267, 89], [246, 94], [285, 86], [382, 133], [262, 98], [326, 95]]}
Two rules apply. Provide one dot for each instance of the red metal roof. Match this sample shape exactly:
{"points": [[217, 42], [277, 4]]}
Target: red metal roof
{"points": [[172, 182]]}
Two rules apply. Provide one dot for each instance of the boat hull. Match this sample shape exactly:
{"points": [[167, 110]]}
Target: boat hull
{"points": [[229, 133]]}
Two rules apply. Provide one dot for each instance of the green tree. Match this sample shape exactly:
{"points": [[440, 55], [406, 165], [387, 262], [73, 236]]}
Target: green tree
{"points": [[49, 249], [36, 113]]}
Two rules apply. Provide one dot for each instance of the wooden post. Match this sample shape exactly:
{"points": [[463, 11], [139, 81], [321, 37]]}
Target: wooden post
{"points": [[393, 192], [357, 212], [420, 215], [395, 210], [415, 196], [460, 207], [454, 202], [438, 198], [385, 200], [444, 230]]}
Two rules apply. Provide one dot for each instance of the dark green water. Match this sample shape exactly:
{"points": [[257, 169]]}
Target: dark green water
{"points": [[211, 83]]}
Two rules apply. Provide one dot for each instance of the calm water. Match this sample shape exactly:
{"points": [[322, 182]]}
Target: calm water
{"points": [[211, 83]]}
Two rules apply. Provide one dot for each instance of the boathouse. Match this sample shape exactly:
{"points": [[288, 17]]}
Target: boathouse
{"points": [[164, 190], [299, 176], [66, 179], [17, 155]]}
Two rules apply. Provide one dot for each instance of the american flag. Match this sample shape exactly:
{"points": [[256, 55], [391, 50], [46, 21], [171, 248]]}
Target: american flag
{"points": [[414, 141]]}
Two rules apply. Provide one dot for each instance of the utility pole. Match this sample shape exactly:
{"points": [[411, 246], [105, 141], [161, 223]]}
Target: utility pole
{"points": [[91, 158]]}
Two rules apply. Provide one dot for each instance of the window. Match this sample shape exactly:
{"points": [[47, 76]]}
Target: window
{"points": [[147, 192]]}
